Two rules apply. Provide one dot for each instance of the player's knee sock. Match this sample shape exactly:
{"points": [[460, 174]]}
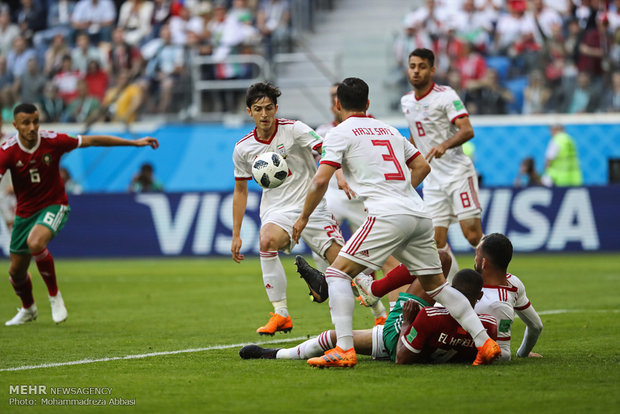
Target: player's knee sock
{"points": [[23, 289], [378, 310], [397, 277], [274, 279], [311, 348], [320, 263], [341, 305], [454, 267], [461, 310], [45, 264]]}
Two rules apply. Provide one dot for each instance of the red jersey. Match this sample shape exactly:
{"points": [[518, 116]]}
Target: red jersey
{"points": [[438, 337], [35, 172]]}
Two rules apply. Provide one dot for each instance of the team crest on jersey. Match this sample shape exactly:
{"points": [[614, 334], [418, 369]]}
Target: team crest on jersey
{"points": [[47, 159], [281, 150]]}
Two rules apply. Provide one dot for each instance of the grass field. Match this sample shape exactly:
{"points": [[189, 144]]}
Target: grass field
{"points": [[121, 308]]}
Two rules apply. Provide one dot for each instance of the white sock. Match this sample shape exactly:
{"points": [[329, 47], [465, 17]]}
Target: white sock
{"points": [[320, 263], [341, 305], [378, 310], [461, 310], [313, 347], [274, 279], [454, 267]]}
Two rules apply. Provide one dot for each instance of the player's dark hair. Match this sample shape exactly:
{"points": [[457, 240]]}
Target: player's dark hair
{"points": [[260, 90], [497, 248], [425, 54], [26, 108], [353, 94], [468, 282]]}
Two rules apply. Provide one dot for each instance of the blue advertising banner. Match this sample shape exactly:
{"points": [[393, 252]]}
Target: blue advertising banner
{"points": [[187, 224]]}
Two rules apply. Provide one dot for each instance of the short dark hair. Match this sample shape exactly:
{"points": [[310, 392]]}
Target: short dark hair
{"points": [[497, 248], [353, 94], [26, 108], [261, 90], [424, 53], [468, 282]]}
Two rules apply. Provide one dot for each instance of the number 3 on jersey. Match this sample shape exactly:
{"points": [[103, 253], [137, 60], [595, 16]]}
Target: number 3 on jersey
{"points": [[390, 156]]}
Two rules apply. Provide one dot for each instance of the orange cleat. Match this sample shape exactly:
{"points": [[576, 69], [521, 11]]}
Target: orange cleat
{"points": [[277, 323], [380, 320], [335, 357], [488, 353]]}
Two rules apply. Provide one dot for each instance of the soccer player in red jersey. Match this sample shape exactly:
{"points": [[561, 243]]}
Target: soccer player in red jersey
{"points": [[33, 157]]}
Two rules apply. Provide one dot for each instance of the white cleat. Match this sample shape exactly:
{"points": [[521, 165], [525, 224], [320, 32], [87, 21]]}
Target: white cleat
{"points": [[59, 311], [363, 282], [24, 315]]}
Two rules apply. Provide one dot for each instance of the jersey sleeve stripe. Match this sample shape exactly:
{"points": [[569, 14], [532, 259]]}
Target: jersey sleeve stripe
{"points": [[409, 347], [333, 164], [520, 308], [413, 157], [242, 178], [458, 116]]}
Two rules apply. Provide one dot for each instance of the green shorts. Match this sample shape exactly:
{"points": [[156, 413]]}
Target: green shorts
{"points": [[394, 321], [53, 217]]}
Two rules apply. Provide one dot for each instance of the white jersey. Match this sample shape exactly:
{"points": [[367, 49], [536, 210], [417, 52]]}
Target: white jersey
{"points": [[295, 141], [374, 157], [501, 302], [431, 122], [322, 130]]}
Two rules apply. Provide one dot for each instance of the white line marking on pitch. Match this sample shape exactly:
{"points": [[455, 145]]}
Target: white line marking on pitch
{"points": [[151, 354], [212, 348]]}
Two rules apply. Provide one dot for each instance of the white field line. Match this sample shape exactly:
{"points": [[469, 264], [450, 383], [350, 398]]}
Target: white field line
{"points": [[214, 347], [150, 354]]}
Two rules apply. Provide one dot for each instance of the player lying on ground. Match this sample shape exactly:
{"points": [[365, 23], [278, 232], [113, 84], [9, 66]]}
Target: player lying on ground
{"points": [[428, 334], [33, 157]]}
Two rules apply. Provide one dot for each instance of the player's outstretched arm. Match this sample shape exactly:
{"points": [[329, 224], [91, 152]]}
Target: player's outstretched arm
{"points": [[533, 328], [240, 201], [112, 141], [465, 133], [317, 189]]}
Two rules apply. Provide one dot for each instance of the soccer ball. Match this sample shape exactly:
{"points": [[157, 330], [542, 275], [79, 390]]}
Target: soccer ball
{"points": [[269, 170]]}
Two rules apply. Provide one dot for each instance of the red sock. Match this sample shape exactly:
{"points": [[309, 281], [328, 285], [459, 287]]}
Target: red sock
{"points": [[45, 264], [23, 289], [397, 277]]}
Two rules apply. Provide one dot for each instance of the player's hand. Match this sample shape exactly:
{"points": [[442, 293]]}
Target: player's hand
{"points": [[147, 141], [298, 227], [435, 152], [410, 311], [235, 249], [343, 185]]}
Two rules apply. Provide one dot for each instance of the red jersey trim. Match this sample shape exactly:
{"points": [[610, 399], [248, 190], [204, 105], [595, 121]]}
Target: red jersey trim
{"points": [[426, 94], [524, 307], [244, 138], [317, 147], [242, 178], [457, 117], [331, 163], [270, 138], [413, 157], [508, 288]]}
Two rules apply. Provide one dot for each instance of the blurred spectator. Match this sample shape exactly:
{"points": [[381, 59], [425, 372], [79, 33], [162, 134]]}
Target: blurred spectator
{"points": [[614, 51], [95, 18], [29, 86], [512, 27], [123, 56], [135, 18], [184, 23], [561, 160], [527, 176], [8, 204], [164, 69], [582, 98], [71, 186], [536, 94], [83, 52], [8, 30], [30, 18], [593, 49], [611, 99], [52, 105], [18, 57], [473, 26], [161, 14], [7, 103], [82, 107], [66, 80], [6, 78], [429, 18], [273, 21], [124, 99], [489, 96], [470, 64], [58, 22], [613, 15], [144, 181], [54, 54], [96, 80], [543, 19]]}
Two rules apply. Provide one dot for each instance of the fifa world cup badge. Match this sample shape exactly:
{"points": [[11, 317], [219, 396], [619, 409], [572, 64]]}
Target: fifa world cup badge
{"points": [[281, 150]]}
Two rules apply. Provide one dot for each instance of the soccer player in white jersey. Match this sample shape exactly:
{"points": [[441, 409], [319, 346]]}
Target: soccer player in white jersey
{"points": [[438, 126], [504, 294], [384, 168], [279, 206]]}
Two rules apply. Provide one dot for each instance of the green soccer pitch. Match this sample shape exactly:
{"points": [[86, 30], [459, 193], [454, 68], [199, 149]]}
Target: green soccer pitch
{"points": [[163, 335]]}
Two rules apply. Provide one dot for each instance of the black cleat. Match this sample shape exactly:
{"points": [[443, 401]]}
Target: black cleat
{"points": [[315, 280], [257, 352]]}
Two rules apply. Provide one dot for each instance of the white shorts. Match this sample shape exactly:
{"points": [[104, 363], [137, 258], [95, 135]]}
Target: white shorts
{"points": [[408, 238], [379, 351], [343, 209], [456, 202], [320, 231]]}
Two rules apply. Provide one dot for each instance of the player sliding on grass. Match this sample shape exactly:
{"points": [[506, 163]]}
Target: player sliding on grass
{"points": [[414, 332], [33, 157], [384, 168]]}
